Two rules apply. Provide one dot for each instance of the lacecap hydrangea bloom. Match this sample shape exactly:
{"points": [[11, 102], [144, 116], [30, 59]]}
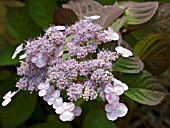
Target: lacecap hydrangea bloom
{"points": [[68, 59]]}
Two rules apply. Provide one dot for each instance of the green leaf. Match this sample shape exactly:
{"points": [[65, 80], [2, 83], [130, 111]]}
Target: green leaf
{"points": [[97, 119], [128, 65], [19, 110], [154, 51], [42, 11], [119, 23], [20, 24], [140, 12], [54, 118], [6, 51], [48, 125], [143, 88]]}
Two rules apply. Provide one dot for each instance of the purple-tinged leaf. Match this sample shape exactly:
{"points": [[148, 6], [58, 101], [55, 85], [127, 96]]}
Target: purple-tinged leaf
{"points": [[63, 16], [140, 13]]}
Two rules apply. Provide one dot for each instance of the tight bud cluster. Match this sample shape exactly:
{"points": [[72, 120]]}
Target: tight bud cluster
{"points": [[68, 59]]}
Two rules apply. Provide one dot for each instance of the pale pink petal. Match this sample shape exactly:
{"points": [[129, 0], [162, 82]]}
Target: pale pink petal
{"points": [[125, 86], [59, 110], [121, 110], [6, 101], [118, 90], [109, 107], [77, 111], [59, 51], [49, 91], [112, 97], [66, 116], [57, 102], [34, 59], [70, 106], [111, 116], [50, 100], [41, 85], [40, 63], [108, 88], [56, 94]]}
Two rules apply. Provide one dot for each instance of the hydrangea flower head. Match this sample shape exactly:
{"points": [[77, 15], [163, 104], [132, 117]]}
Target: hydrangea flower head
{"points": [[85, 72]]}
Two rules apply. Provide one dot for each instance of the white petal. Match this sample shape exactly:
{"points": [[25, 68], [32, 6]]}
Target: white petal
{"points": [[42, 92], [111, 116], [60, 27], [7, 95], [18, 50], [94, 17], [22, 56], [59, 110], [66, 116], [118, 89], [119, 49], [108, 88], [14, 55], [6, 101], [77, 111], [121, 110], [112, 97], [57, 102], [115, 36]]}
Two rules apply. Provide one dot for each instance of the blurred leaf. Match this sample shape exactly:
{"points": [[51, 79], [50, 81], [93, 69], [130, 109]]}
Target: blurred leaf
{"points": [[160, 22], [143, 88], [6, 51], [47, 125], [19, 110], [4, 74], [54, 118], [97, 119], [140, 12], [154, 51], [42, 11], [63, 16], [89, 7], [12, 3], [119, 23], [3, 29], [20, 24]]}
